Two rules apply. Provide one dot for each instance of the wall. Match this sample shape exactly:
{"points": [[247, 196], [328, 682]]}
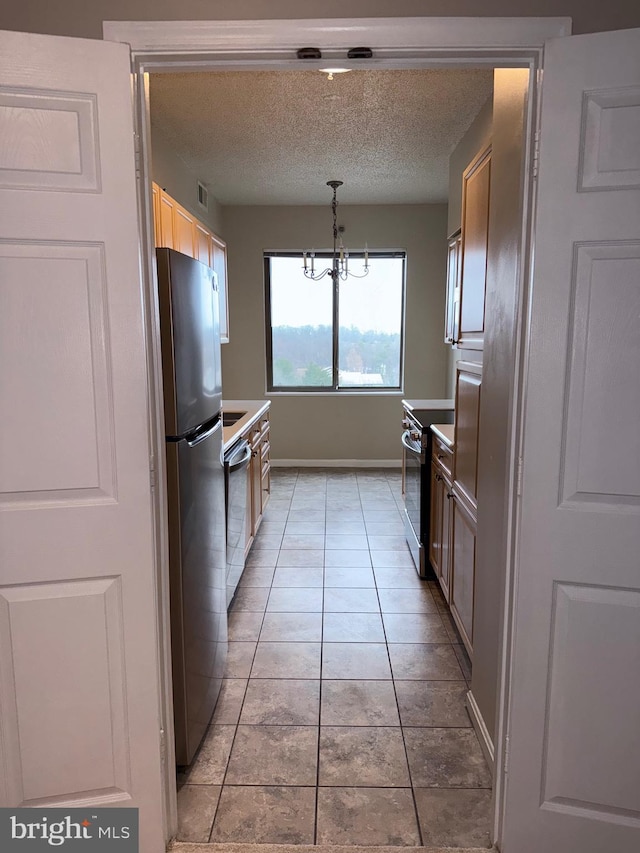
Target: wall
{"points": [[173, 175], [82, 18], [477, 137], [329, 426]]}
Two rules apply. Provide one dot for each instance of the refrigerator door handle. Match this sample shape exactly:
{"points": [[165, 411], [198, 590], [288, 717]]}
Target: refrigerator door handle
{"points": [[202, 436]]}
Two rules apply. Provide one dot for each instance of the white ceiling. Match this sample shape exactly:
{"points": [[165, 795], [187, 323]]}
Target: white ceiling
{"points": [[277, 137]]}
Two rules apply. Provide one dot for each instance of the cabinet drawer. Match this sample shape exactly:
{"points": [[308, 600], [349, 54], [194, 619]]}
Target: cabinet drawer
{"points": [[442, 455]]}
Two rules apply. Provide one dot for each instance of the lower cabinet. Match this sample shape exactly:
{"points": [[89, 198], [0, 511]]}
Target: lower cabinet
{"points": [[463, 569], [452, 541], [259, 474], [440, 528]]}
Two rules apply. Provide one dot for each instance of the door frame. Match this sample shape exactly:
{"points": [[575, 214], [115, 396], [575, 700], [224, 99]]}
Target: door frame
{"points": [[158, 46]]}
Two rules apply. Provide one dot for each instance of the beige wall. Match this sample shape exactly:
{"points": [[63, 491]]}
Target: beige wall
{"points": [[477, 137], [85, 17], [351, 427], [173, 175]]}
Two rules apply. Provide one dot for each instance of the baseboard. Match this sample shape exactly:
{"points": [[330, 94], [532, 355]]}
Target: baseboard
{"points": [[336, 463], [481, 730]]}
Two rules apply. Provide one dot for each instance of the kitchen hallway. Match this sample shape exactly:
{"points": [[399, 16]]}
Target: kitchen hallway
{"points": [[342, 716]]}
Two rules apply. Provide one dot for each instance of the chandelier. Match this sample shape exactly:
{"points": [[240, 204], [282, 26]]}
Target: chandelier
{"points": [[339, 268]]}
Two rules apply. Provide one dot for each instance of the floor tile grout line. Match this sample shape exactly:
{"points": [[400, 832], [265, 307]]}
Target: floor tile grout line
{"points": [[449, 642], [404, 742], [255, 651], [315, 816]]}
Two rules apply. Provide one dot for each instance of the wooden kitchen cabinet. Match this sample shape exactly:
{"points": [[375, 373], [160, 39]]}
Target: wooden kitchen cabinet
{"points": [[454, 269], [454, 508], [259, 474], [202, 243], [218, 262], [463, 569], [166, 207], [467, 407], [176, 228], [461, 499], [184, 237], [440, 527], [472, 260]]}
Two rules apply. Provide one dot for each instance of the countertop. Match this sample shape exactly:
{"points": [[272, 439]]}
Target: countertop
{"points": [[444, 432], [253, 410], [427, 405]]}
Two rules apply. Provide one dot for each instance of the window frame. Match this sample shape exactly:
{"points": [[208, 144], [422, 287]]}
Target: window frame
{"points": [[334, 387]]}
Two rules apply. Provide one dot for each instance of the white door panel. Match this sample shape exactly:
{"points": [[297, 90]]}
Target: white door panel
{"points": [[79, 688], [574, 771]]}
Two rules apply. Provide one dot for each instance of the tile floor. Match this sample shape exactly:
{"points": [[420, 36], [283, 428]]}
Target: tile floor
{"points": [[342, 716]]}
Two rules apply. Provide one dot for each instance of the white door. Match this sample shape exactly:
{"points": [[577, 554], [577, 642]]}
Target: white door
{"points": [[79, 695], [573, 781]]}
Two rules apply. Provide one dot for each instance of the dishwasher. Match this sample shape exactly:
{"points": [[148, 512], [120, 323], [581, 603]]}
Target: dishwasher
{"points": [[236, 461]]}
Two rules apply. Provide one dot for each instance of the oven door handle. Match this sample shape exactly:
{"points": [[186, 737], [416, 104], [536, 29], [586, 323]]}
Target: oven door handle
{"points": [[410, 447]]}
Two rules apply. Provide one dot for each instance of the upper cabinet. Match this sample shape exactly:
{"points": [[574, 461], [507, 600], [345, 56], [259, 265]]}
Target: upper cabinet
{"points": [[176, 228], [454, 268], [467, 258]]}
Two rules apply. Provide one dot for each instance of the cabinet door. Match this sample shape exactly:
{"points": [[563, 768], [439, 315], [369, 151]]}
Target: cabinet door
{"points": [[265, 464], [219, 264], [249, 518], [454, 268], [475, 231], [440, 532], [445, 541], [183, 231], [468, 384], [463, 569], [256, 480], [156, 192], [202, 240], [435, 527], [166, 207]]}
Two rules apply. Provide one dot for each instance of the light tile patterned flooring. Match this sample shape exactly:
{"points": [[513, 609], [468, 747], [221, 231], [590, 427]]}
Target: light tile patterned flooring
{"points": [[342, 716]]}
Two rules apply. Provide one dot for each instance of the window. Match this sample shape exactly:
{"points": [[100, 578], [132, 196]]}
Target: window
{"points": [[321, 338]]}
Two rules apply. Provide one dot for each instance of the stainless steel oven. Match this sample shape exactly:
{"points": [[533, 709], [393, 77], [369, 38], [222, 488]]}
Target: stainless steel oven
{"points": [[416, 475]]}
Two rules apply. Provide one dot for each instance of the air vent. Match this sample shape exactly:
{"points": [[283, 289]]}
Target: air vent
{"points": [[203, 196]]}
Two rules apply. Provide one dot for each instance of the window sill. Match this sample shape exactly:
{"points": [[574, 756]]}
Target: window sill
{"points": [[359, 392]]}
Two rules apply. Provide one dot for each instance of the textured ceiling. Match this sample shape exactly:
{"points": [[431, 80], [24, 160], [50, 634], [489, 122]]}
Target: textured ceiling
{"points": [[277, 137]]}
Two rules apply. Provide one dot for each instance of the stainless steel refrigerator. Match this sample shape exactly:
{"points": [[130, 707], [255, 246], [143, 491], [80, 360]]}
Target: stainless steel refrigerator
{"points": [[190, 335]]}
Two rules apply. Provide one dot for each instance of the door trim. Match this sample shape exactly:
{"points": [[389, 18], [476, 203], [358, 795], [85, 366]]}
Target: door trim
{"points": [[158, 46]]}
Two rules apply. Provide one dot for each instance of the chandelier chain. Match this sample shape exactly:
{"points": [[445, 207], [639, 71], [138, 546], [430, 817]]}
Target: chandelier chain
{"points": [[339, 268]]}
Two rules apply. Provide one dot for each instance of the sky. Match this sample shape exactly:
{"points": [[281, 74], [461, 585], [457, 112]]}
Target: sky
{"points": [[371, 304]]}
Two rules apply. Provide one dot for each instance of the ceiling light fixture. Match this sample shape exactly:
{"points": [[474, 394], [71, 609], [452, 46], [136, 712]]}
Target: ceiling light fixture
{"points": [[331, 71], [339, 268]]}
